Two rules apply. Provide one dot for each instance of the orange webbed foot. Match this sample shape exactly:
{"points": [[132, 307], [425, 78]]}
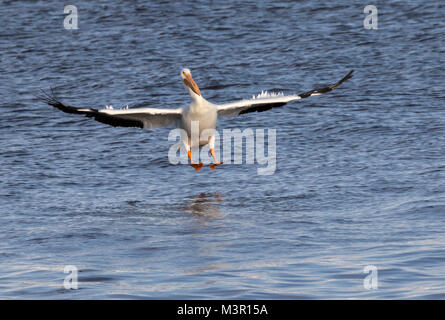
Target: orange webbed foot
{"points": [[197, 166], [214, 165]]}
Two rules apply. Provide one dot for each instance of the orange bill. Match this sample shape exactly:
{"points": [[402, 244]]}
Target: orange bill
{"points": [[189, 82]]}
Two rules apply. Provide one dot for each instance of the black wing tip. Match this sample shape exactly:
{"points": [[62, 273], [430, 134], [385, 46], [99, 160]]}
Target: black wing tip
{"points": [[346, 77], [349, 75], [48, 97], [51, 99], [328, 88]]}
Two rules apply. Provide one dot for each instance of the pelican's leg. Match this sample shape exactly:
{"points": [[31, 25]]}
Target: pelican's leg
{"points": [[197, 166], [212, 152]]}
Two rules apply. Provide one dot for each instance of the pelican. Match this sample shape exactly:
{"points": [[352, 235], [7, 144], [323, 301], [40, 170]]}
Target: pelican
{"points": [[199, 111]]}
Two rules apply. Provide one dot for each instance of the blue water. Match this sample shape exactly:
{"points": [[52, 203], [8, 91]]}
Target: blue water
{"points": [[360, 176]]}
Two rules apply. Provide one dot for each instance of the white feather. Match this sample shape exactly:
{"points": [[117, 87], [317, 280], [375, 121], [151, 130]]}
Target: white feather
{"points": [[264, 95]]}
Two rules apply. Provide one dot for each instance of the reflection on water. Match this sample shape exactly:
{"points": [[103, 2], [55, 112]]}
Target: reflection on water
{"points": [[207, 268], [203, 206]]}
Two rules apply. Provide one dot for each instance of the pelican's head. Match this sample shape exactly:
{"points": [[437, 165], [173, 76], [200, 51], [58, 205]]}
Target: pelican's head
{"points": [[186, 76]]}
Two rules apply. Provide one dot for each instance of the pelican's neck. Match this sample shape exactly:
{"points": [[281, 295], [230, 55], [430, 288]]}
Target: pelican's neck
{"points": [[196, 98]]}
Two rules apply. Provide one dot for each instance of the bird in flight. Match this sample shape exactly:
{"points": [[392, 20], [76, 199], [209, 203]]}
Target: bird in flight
{"points": [[199, 111]]}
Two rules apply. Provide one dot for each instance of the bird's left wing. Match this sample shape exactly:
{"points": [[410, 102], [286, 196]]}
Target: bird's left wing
{"points": [[146, 118], [266, 101]]}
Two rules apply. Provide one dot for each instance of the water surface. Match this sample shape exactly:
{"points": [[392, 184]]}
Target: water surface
{"points": [[360, 171]]}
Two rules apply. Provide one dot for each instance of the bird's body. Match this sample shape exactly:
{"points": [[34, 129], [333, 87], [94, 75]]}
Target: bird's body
{"points": [[204, 114], [198, 120]]}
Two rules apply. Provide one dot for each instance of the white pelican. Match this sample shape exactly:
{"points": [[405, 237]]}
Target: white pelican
{"points": [[200, 110]]}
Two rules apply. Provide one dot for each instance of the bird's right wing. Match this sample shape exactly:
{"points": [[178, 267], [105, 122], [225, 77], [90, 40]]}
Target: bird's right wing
{"points": [[146, 118], [267, 101]]}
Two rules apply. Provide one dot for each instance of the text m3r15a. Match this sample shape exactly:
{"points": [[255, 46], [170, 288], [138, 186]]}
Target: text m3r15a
{"points": [[229, 309]]}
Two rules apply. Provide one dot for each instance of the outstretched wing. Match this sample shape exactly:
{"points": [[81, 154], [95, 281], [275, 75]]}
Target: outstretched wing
{"points": [[146, 118], [267, 101]]}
